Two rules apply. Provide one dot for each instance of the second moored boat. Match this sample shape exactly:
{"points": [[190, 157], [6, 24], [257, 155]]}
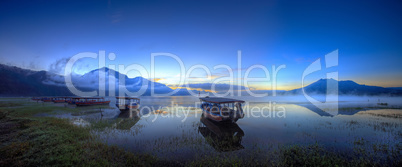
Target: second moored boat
{"points": [[89, 101], [127, 103]]}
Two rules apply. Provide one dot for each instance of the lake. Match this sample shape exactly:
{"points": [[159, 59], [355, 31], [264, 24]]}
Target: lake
{"points": [[178, 131]]}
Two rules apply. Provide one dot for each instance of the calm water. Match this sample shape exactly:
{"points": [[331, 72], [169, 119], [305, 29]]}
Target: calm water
{"points": [[179, 132]]}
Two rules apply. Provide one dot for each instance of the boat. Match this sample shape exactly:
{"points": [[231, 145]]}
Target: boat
{"points": [[36, 98], [68, 99], [382, 104], [72, 100], [127, 103], [223, 137], [222, 109], [89, 101], [46, 99], [59, 100]]}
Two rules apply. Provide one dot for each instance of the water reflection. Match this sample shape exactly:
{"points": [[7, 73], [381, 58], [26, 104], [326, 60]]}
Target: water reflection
{"points": [[133, 113], [127, 119], [326, 110], [183, 134], [222, 137]]}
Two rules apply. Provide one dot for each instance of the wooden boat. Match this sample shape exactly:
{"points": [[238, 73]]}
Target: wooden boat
{"points": [[59, 99], [67, 99], [89, 101], [127, 103], [46, 99], [36, 98], [72, 100], [223, 137], [222, 109]]}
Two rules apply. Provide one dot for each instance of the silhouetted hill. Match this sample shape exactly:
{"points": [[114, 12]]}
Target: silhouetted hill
{"points": [[20, 82], [346, 88], [397, 88]]}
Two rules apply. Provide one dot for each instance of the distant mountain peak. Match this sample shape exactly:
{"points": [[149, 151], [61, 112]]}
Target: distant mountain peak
{"points": [[331, 80], [327, 79], [108, 70], [347, 87], [102, 69]]}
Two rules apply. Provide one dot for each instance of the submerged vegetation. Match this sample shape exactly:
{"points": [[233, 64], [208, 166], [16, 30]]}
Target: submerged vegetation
{"points": [[31, 140]]}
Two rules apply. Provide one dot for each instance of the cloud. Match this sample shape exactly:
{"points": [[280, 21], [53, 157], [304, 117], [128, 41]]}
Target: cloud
{"points": [[220, 87], [188, 89], [32, 65], [158, 79], [58, 66], [80, 66]]}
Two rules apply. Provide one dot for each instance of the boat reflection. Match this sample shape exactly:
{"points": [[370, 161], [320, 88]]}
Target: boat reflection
{"points": [[223, 137], [132, 113], [127, 119]]}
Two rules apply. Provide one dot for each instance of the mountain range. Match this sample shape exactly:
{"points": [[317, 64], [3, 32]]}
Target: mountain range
{"points": [[16, 81], [23, 82], [347, 87]]}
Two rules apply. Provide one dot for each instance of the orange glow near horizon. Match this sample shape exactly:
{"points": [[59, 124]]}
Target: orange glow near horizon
{"points": [[288, 86], [198, 89]]}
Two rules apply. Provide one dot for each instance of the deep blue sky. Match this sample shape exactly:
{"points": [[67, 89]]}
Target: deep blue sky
{"points": [[37, 34]]}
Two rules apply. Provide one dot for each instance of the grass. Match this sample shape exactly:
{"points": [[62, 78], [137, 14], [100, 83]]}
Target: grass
{"points": [[296, 155], [28, 140], [9, 104], [46, 141]]}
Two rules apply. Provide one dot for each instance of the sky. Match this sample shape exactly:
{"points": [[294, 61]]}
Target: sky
{"points": [[44, 35]]}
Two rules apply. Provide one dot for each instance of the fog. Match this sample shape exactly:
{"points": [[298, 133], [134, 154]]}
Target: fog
{"points": [[299, 99]]}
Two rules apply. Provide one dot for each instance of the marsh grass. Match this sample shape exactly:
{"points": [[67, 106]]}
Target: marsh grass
{"points": [[47, 141], [119, 123], [9, 104]]}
